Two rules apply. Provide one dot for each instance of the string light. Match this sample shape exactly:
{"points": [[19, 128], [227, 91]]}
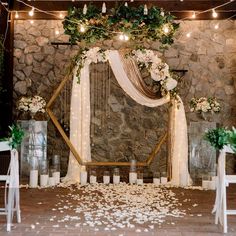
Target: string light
{"points": [[188, 35], [194, 15], [57, 32], [16, 15], [166, 29], [216, 26], [123, 37], [214, 13], [31, 22], [82, 29], [61, 15], [31, 12]]}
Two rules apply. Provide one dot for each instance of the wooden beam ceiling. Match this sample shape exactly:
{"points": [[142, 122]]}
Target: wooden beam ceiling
{"points": [[181, 9]]}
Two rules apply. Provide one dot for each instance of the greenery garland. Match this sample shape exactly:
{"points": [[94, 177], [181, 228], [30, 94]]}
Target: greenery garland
{"points": [[92, 25]]}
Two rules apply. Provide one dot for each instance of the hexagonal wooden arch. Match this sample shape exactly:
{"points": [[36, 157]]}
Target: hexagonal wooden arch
{"points": [[147, 162]]}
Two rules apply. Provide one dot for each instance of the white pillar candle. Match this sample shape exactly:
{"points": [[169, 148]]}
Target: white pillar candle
{"points": [[93, 179], [163, 180], [116, 179], [83, 177], [205, 184], [132, 177], [43, 180], [156, 181], [106, 179], [56, 176], [139, 181], [33, 179], [51, 181]]}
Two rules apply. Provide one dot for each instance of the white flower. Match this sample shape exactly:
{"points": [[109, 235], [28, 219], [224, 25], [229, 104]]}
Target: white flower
{"points": [[170, 84]]}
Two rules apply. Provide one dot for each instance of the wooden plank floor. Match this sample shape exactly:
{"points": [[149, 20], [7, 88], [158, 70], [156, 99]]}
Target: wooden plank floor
{"points": [[37, 205]]}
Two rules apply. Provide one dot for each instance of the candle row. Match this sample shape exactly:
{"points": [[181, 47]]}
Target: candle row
{"points": [[45, 179], [134, 178]]}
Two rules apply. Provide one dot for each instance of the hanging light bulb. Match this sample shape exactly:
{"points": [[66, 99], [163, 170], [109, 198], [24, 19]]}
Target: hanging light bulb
{"points": [[16, 15], [31, 22], [126, 37], [126, 4], [194, 15], [104, 9], [145, 10], [214, 13], [85, 9], [131, 0], [123, 37], [188, 34], [216, 26], [166, 29], [31, 12]]}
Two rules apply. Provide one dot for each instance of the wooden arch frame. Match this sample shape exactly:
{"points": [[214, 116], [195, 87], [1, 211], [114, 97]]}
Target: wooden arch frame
{"points": [[54, 119]]}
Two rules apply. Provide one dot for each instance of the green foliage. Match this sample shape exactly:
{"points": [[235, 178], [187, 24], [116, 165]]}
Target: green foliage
{"points": [[218, 137], [16, 136], [232, 139], [129, 20]]}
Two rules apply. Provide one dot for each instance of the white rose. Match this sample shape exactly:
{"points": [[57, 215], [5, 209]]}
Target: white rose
{"points": [[170, 84]]}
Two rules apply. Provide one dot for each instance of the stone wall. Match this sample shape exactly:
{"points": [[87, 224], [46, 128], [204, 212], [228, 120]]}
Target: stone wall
{"points": [[209, 55]]}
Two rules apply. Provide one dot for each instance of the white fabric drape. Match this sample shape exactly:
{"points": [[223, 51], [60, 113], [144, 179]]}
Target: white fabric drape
{"points": [[80, 121]]}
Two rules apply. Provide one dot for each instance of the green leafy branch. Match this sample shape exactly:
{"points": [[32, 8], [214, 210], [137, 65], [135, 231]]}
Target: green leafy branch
{"points": [[122, 19]]}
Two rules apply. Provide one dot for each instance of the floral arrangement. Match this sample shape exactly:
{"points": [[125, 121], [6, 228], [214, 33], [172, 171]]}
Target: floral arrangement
{"points": [[32, 104], [145, 58], [158, 70], [220, 137], [89, 24], [204, 104]]}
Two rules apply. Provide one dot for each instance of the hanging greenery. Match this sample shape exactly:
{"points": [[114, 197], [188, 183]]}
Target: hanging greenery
{"points": [[122, 22]]}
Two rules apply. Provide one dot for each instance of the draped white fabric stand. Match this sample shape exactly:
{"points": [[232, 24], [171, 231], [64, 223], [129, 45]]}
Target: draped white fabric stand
{"points": [[80, 121], [12, 195], [220, 200]]}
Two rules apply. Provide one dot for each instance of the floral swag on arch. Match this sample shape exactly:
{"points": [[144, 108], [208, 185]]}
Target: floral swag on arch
{"points": [[127, 74]]}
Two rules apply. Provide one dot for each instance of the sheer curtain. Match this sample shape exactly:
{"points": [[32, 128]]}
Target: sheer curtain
{"points": [[129, 78]]}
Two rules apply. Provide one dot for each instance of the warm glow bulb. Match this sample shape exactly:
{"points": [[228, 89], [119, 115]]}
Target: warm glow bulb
{"points": [[121, 37], [31, 22], [194, 15], [31, 13], [82, 29], [166, 29], [214, 13], [16, 15], [216, 26], [61, 15], [126, 38], [57, 32], [188, 35]]}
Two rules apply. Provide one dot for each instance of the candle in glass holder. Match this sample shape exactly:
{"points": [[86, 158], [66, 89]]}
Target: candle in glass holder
{"points": [[156, 178], [164, 177], [106, 177], [93, 177], [56, 165], [116, 176], [133, 172], [43, 167], [51, 181], [139, 178], [205, 181], [33, 172]]}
